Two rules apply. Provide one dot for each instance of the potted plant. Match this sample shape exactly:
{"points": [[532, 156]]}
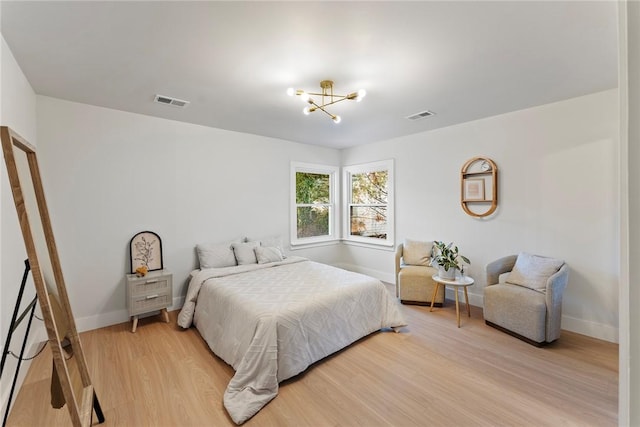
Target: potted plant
{"points": [[448, 260]]}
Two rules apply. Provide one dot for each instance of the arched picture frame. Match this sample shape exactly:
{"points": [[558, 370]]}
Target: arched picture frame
{"points": [[479, 187], [145, 249]]}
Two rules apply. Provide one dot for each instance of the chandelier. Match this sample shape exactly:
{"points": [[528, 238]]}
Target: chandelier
{"points": [[328, 98]]}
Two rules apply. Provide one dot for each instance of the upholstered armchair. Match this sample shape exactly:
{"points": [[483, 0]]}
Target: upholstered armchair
{"points": [[413, 273], [526, 303]]}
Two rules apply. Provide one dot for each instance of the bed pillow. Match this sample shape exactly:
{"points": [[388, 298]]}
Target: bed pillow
{"points": [[415, 252], [532, 271], [216, 255], [245, 253], [271, 242], [267, 254]]}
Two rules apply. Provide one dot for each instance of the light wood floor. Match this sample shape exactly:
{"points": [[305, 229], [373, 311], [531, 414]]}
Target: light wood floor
{"points": [[432, 373]]}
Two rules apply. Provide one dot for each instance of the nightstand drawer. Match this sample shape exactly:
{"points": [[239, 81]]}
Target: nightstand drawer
{"points": [[149, 293], [151, 302], [145, 286]]}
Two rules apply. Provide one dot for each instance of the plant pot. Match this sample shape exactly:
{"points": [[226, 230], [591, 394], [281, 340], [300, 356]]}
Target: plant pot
{"points": [[449, 275]]}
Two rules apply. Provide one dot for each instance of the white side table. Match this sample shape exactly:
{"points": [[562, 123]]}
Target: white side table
{"points": [[460, 282], [149, 293]]}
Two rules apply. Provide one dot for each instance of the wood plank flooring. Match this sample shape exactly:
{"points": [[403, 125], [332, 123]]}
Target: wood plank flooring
{"points": [[432, 373]]}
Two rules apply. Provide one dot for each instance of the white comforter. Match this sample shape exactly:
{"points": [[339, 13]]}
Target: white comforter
{"points": [[271, 321]]}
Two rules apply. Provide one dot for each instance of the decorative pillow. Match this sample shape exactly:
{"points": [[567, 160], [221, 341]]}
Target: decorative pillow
{"points": [[271, 242], [417, 253], [245, 253], [532, 271], [266, 254], [215, 255]]}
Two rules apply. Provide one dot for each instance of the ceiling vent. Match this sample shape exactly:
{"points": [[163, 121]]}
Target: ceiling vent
{"points": [[420, 115], [161, 99]]}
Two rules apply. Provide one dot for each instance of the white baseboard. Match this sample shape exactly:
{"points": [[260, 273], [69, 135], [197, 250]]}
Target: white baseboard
{"points": [[380, 275], [474, 299], [114, 317], [580, 326], [101, 320], [591, 329], [38, 335]]}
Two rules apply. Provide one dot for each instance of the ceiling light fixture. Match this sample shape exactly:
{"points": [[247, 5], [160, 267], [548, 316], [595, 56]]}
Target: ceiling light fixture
{"points": [[328, 98]]}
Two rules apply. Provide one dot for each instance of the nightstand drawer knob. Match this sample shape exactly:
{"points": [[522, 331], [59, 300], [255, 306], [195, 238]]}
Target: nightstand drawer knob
{"points": [[151, 296], [151, 281]]}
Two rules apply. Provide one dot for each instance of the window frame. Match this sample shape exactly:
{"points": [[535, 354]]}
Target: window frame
{"points": [[333, 236], [347, 172]]}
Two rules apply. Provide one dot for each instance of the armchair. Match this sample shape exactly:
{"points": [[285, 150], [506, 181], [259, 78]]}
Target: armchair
{"points": [[413, 273], [528, 302]]}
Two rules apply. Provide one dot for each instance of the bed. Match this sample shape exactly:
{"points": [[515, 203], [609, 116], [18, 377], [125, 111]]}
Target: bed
{"points": [[271, 321]]}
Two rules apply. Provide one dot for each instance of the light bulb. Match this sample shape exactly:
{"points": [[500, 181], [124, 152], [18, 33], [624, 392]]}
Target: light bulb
{"points": [[361, 94], [291, 91], [306, 111], [337, 119], [304, 96]]}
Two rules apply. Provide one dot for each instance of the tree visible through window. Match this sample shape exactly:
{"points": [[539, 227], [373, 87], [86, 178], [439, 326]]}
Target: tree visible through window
{"points": [[369, 202], [366, 214], [368, 208], [313, 204]]}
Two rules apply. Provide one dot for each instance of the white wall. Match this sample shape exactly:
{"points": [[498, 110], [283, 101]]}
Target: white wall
{"points": [[18, 111], [558, 196], [109, 174]]}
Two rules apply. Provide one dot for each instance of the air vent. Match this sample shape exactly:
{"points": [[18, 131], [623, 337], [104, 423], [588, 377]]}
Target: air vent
{"points": [[420, 115], [161, 99]]}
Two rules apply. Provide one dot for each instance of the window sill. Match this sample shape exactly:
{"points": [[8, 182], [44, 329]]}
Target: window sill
{"points": [[307, 245], [379, 246]]}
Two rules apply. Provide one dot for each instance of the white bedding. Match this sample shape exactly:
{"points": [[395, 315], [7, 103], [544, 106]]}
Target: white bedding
{"points": [[271, 321]]}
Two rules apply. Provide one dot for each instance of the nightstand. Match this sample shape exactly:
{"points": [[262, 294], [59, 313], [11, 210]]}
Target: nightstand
{"points": [[149, 293]]}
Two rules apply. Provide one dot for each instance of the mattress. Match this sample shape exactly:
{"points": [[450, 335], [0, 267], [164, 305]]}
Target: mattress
{"points": [[271, 321]]}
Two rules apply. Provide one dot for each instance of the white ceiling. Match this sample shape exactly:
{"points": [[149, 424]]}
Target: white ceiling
{"points": [[235, 60]]}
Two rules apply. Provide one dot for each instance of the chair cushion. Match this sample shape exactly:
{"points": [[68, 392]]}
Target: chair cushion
{"points": [[532, 271], [415, 284], [415, 252], [417, 271], [518, 309]]}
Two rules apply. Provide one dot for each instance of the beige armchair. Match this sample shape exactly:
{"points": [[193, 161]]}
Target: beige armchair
{"points": [[413, 274], [526, 303]]}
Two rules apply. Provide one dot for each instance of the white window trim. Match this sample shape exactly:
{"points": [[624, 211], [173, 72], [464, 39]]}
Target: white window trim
{"points": [[346, 197], [333, 236]]}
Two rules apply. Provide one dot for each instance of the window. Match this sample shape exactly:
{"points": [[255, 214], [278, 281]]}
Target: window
{"points": [[368, 195], [313, 203]]}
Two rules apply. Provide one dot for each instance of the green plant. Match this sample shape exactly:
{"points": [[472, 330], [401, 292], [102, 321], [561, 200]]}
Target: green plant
{"points": [[447, 256]]}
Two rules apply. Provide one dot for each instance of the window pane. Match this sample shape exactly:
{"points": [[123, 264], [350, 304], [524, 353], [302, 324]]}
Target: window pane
{"points": [[369, 221], [312, 188], [369, 188], [313, 221]]}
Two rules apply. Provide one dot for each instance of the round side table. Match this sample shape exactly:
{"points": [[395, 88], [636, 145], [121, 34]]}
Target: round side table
{"points": [[459, 282]]}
